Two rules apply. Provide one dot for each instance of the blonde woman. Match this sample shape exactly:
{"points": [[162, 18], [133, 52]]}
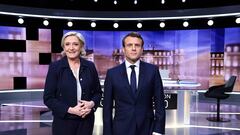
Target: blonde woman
{"points": [[72, 89]]}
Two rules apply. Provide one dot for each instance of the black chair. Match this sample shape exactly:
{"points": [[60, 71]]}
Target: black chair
{"points": [[218, 92]]}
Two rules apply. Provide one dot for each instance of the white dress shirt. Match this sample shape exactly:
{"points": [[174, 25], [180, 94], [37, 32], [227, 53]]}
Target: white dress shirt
{"points": [[129, 70], [79, 88]]}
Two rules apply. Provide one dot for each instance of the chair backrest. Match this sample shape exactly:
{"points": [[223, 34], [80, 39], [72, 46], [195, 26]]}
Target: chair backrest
{"points": [[230, 83]]}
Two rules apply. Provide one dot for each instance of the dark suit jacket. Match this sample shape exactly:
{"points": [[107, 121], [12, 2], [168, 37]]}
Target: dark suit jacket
{"points": [[133, 112], [60, 90]]}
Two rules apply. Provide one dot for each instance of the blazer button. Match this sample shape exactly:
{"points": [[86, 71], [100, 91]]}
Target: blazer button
{"points": [[80, 79]]}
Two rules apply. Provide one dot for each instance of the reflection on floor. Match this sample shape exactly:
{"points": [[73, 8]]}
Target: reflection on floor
{"points": [[33, 118]]}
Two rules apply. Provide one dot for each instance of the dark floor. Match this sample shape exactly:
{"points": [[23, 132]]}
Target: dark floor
{"points": [[33, 118]]}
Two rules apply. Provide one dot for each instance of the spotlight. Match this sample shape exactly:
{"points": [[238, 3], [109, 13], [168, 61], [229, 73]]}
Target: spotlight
{"points": [[139, 25], [163, 1], [210, 22], [95, 0], [115, 2], [70, 24], [183, 1], [45, 23], [238, 21], [20, 21], [162, 24], [185, 24], [115, 25], [135, 2], [93, 24]]}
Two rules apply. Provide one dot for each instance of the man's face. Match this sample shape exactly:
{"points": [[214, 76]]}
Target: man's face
{"points": [[133, 49]]}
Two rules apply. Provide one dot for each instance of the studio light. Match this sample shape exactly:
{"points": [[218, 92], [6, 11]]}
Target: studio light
{"points": [[162, 24], [93, 24], [115, 2], [135, 2], [163, 1], [20, 21], [238, 21], [210, 22], [139, 25], [45, 23], [95, 0], [183, 1], [185, 24], [70, 24], [115, 25]]}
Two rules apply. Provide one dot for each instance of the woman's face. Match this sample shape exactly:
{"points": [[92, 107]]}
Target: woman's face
{"points": [[72, 47]]}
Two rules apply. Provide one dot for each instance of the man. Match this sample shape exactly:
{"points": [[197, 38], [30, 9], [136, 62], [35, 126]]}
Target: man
{"points": [[132, 87]]}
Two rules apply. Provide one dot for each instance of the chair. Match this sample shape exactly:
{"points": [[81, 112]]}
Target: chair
{"points": [[218, 92]]}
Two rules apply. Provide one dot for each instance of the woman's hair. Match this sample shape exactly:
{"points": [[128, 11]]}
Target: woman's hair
{"points": [[80, 38]]}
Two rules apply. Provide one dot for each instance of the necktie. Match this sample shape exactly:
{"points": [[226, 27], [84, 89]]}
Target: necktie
{"points": [[133, 79]]}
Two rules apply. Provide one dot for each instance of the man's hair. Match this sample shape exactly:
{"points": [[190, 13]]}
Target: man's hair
{"points": [[132, 34]]}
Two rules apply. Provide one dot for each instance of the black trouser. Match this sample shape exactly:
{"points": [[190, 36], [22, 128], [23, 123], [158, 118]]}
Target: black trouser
{"points": [[73, 126]]}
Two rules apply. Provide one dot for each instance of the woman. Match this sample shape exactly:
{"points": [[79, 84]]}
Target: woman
{"points": [[72, 89]]}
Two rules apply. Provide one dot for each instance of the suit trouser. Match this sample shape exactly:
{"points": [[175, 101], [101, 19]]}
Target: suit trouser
{"points": [[73, 126]]}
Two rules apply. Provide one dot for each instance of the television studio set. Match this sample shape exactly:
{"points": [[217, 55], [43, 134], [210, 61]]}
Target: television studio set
{"points": [[194, 45]]}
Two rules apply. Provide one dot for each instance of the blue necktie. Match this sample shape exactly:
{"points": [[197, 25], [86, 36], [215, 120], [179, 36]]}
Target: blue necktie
{"points": [[133, 79]]}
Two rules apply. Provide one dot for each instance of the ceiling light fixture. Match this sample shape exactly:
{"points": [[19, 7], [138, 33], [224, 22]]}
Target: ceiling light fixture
{"points": [[185, 24], [93, 24], [115, 25], [95, 0], [20, 21], [213, 15], [237, 20], [183, 1], [115, 2], [163, 1], [162, 24], [45, 22], [139, 25], [70, 24], [135, 2], [210, 22]]}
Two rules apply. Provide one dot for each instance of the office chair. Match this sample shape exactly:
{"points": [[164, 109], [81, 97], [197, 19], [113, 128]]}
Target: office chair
{"points": [[218, 92]]}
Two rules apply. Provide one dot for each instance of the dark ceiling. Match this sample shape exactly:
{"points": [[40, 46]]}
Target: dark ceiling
{"points": [[123, 5]]}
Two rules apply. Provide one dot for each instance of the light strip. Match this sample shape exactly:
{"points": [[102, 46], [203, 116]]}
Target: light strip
{"points": [[21, 105], [197, 126], [215, 113], [121, 19], [212, 127], [234, 93], [24, 121], [19, 91]]}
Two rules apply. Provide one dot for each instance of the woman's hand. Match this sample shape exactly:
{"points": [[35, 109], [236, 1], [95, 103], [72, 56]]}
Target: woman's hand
{"points": [[86, 107], [76, 109]]}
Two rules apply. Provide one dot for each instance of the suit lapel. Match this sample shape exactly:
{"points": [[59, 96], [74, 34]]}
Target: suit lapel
{"points": [[125, 81]]}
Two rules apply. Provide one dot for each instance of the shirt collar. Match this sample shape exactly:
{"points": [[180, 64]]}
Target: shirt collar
{"points": [[128, 64]]}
